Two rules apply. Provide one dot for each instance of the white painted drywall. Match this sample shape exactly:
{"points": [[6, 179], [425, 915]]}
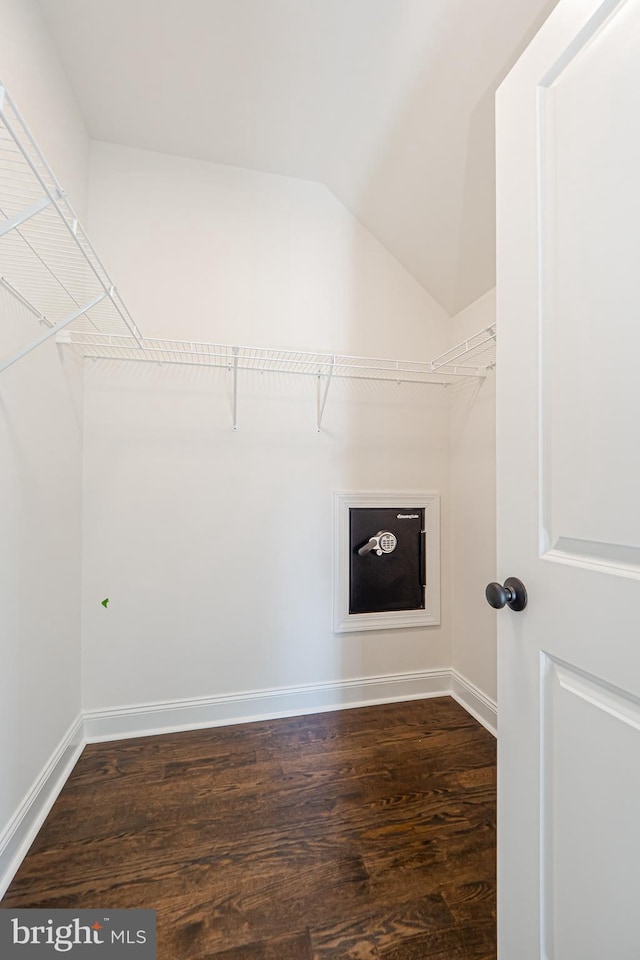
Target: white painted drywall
{"points": [[473, 512], [215, 547], [40, 453], [208, 251], [31, 71]]}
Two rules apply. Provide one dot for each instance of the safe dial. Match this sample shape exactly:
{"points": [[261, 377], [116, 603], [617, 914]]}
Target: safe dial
{"points": [[383, 542]]}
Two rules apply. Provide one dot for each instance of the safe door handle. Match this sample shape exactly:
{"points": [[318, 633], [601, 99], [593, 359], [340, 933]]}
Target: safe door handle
{"points": [[383, 542]]}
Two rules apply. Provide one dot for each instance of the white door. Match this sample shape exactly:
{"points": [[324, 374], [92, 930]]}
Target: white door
{"points": [[568, 152]]}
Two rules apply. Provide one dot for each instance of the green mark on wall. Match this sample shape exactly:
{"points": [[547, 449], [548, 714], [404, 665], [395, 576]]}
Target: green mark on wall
{"points": [[105, 602]]}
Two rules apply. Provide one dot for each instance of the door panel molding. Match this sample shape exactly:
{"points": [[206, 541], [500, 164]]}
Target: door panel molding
{"points": [[576, 866], [588, 461], [611, 558]]}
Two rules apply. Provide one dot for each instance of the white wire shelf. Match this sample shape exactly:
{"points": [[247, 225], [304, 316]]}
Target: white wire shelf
{"points": [[46, 259], [48, 263], [471, 359]]}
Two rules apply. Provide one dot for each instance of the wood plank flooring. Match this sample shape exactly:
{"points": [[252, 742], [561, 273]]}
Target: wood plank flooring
{"points": [[364, 834]]}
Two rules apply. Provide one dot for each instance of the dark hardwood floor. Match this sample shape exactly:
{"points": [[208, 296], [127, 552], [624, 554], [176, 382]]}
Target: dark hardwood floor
{"points": [[366, 834]]}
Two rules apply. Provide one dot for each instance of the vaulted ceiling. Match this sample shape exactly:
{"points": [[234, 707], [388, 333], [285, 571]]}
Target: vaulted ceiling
{"points": [[387, 102]]}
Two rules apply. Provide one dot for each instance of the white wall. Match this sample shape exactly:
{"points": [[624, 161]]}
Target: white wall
{"points": [[473, 514], [215, 547], [32, 73], [40, 538], [208, 251], [40, 453]]}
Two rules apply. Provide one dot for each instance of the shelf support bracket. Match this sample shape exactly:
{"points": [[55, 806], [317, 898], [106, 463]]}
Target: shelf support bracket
{"points": [[235, 388], [51, 332], [23, 300], [322, 393], [23, 216]]}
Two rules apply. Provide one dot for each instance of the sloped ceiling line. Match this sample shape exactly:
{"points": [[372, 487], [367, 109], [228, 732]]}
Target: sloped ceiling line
{"points": [[389, 103]]}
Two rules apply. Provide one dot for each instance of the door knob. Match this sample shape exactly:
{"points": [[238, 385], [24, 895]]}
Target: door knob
{"points": [[513, 594]]}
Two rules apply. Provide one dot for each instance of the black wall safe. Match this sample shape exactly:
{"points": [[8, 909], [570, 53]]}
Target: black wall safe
{"points": [[387, 559]]}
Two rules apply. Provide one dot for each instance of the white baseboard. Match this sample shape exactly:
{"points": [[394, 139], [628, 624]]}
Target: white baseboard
{"points": [[21, 830], [474, 701], [171, 716], [175, 715]]}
